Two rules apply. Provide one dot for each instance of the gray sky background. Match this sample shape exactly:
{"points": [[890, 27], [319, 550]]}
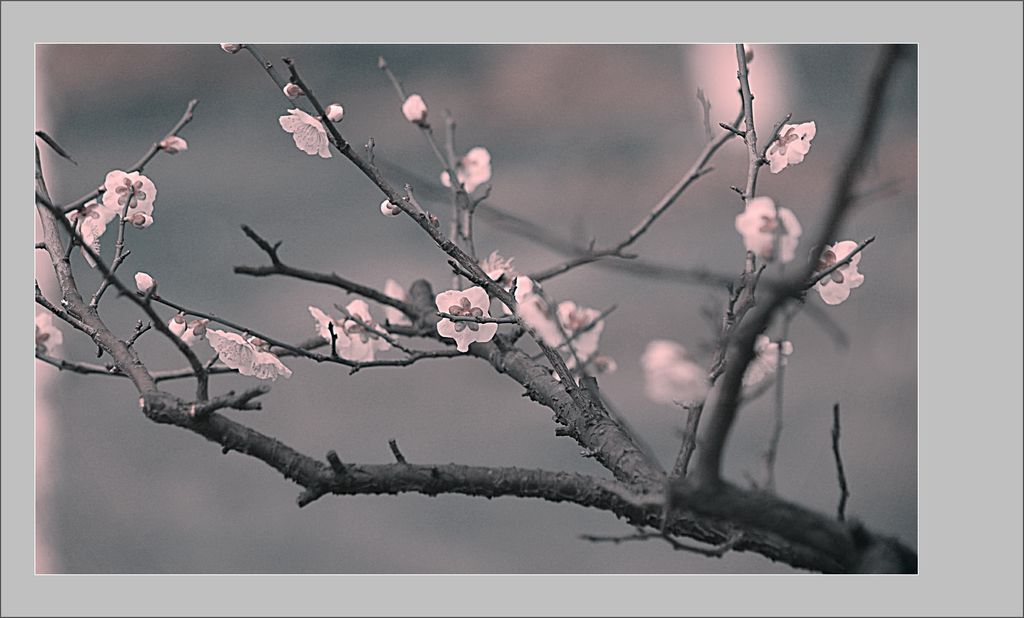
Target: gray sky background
{"points": [[584, 139]]}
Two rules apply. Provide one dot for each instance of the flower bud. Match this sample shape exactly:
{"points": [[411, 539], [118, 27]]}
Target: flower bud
{"points": [[292, 91], [177, 325], [415, 109], [144, 282], [141, 220], [389, 210], [335, 112], [173, 144], [231, 48]]}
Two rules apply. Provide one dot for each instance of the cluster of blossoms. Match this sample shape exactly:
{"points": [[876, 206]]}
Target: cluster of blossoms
{"points": [[127, 195], [357, 336], [773, 232]]}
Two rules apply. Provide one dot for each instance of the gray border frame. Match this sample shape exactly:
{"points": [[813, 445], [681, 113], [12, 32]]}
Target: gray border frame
{"points": [[969, 332]]}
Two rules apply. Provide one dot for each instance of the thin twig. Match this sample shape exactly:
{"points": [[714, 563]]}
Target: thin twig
{"points": [[771, 454], [714, 551], [399, 457], [139, 165], [844, 490]]}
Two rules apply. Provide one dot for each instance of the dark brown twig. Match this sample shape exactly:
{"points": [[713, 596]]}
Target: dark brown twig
{"points": [[844, 490]]}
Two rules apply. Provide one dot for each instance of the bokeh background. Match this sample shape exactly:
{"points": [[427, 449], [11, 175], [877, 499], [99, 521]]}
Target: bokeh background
{"points": [[584, 140]]}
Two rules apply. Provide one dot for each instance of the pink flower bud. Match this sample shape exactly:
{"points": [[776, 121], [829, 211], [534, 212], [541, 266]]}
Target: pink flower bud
{"points": [[335, 112], [292, 91], [231, 48], [144, 282], [389, 210], [415, 109], [141, 219], [173, 144]]}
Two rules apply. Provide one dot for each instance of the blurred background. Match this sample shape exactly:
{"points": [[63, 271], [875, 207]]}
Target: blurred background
{"points": [[584, 140]]}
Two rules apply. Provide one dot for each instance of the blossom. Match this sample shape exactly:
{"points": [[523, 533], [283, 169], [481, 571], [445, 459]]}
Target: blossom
{"points": [[293, 91], [335, 112], [765, 363], [173, 144], [389, 210], [835, 288], [249, 355], [604, 364], [762, 225], [499, 269], [188, 331], [391, 314], [91, 221], [582, 327], [309, 133], [473, 170], [472, 302], [536, 313], [48, 336], [791, 146], [415, 109], [357, 337], [231, 48], [144, 282], [130, 195], [670, 376]]}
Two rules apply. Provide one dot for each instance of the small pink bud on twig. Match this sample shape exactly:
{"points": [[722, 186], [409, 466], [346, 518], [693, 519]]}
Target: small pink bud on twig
{"points": [[415, 109], [292, 91], [335, 112], [144, 282], [389, 210], [232, 48], [173, 144]]}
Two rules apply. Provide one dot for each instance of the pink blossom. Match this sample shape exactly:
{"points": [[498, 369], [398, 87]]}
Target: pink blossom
{"points": [[335, 112], [389, 210], [173, 144], [293, 91], [189, 331], [473, 303], [249, 355], [762, 227], [473, 170], [231, 48], [392, 315], [91, 221], [309, 134], [670, 376], [143, 282], [835, 288], [48, 336], [131, 190], [414, 108], [792, 145]]}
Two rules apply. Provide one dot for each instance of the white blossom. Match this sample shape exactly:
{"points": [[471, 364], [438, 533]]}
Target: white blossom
{"points": [[48, 336], [357, 336], [309, 133], [670, 376], [472, 170], [249, 355], [762, 228], [792, 145], [133, 190], [835, 288], [391, 314], [91, 221], [472, 302], [765, 363], [189, 331]]}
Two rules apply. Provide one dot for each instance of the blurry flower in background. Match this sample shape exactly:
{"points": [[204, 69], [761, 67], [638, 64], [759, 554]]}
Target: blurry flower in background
{"points": [[249, 356], [670, 376], [499, 269], [309, 133], [793, 143], [835, 288], [536, 313], [48, 336], [762, 227], [335, 112], [472, 302], [583, 329], [394, 316], [415, 109], [173, 144], [133, 190], [762, 368], [473, 170]]}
